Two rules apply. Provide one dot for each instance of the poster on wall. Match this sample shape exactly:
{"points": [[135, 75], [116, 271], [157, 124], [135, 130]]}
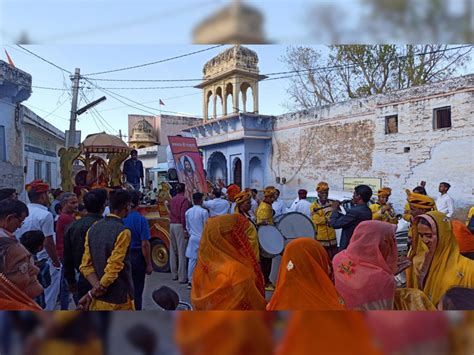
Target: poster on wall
{"points": [[349, 183], [188, 164]]}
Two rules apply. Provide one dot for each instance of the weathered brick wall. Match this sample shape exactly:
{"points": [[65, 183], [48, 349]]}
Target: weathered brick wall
{"points": [[348, 140]]}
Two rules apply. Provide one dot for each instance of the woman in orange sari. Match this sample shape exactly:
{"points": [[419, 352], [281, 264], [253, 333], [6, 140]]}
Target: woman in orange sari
{"points": [[227, 274], [442, 266], [230, 333], [465, 238], [304, 280], [18, 278], [364, 272], [321, 333]]}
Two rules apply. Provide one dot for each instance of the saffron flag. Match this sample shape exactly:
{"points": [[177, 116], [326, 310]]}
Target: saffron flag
{"points": [[162, 103], [10, 61]]}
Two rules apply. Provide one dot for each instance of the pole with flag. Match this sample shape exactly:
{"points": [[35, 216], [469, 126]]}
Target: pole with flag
{"points": [[10, 61], [161, 104]]}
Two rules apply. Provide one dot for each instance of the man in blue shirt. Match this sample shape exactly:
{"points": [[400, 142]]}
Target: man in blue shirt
{"points": [[139, 248], [133, 170]]}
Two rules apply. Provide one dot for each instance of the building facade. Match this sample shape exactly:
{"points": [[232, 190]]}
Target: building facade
{"points": [[15, 87], [41, 146]]}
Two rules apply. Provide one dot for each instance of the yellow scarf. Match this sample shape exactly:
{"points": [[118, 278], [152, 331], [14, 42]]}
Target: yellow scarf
{"points": [[447, 267]]}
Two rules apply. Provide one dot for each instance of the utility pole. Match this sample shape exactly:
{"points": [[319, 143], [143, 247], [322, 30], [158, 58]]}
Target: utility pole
{"points": [[73, 118], [120, 133]]}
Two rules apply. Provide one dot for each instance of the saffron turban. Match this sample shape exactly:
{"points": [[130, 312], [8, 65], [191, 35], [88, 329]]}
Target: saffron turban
{"points": [[269, 191], [37, 186], [420, 201], [322, 187], [384, 192], [232, 191], [242, 197]]}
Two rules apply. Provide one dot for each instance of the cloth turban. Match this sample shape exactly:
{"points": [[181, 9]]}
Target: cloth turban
{"points": [[269, 191], [242, 197], [322, 187], [37, 186], [302, 193], [384, 192], [420, 201], [232, 191]]}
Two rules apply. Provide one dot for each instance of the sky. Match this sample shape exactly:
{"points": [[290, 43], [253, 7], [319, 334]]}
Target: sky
{"points": [[111, 115]]}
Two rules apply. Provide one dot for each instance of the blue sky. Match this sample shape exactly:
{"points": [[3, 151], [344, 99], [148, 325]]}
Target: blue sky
{"points": [[54, 105]]}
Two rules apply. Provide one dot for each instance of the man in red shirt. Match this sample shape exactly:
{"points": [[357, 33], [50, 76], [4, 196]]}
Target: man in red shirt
{"points": [[178, 235], [69, 204]]}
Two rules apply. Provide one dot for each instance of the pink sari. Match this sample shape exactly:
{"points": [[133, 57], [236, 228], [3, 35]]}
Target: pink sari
{"points": [[364, 272]]}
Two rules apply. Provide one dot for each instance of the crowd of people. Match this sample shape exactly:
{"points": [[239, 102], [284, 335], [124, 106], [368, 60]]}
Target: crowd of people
{"points": [[97, 257]]}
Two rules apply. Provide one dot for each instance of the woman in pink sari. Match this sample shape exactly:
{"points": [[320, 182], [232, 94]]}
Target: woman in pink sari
{"points": [[364, 272]]}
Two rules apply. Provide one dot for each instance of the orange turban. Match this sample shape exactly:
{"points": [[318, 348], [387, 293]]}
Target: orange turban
{"points": [[232, 191], [322, 187], [420, 201], [269, 191], [242, 197], [37, 186], [384, 192]]}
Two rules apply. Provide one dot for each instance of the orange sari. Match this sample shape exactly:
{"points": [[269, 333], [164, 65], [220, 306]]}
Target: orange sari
{"points": [[13, 299], [227, 274], [303, 280], [327, 333], [223, 332], [464, 236]]}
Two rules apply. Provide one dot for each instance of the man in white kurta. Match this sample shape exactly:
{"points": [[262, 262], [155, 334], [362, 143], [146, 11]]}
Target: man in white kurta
{"points": [[217, 206], [196, 218], [278, 205], [445, 203], [302, 205]]}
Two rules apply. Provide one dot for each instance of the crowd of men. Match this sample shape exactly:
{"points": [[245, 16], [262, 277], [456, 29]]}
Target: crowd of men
{"points": [[101, 258]]}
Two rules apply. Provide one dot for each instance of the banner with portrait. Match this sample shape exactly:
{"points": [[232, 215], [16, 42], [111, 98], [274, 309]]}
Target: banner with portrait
{"points": [[188, 164]]}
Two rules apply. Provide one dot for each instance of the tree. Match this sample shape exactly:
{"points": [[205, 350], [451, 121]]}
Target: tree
{"points": [[354, 71]]}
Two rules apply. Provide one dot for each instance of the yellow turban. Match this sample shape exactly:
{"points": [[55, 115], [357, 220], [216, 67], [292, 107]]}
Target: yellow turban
{"points": [[269, 191], [232, 191], [242, 197], [322, 187], [384, 192], [420, 201]]}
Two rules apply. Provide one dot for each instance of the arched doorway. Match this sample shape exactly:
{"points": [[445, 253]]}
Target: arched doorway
{"points": [[256, 173], [217, 168], [237, 174]]}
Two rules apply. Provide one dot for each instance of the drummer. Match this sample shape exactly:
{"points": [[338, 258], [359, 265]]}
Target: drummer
{"points": [[320, 215], [382, 210], [243, 201], [265, 217]]}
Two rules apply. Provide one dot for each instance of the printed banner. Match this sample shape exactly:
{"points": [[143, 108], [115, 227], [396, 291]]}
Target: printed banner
{"points": [[188, 164], [349, 183]]}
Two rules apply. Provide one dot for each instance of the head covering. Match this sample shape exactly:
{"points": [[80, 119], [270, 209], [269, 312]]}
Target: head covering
{"points": [[364, 272], [410, 332], [322, 187], [327, 333], [442, 265], [14, 299], [37, 186], [241, 197], [302, 193], [464, 236], [232, 190], [269, 191], [216, 333], [303, 282], [384, 192], [227, 275], [420, 201]]}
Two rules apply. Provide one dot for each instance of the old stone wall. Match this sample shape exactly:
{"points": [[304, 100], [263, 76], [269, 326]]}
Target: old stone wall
{"points": [[349, 139]]}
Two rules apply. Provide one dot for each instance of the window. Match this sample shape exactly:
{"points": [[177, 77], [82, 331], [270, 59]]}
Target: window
{"points": [[442, 117], [391, 124], [38, 172], [47, 175]]}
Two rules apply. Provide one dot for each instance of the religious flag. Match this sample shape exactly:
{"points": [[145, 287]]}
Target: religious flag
{"points": [[162, 103], [10, 61]]}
